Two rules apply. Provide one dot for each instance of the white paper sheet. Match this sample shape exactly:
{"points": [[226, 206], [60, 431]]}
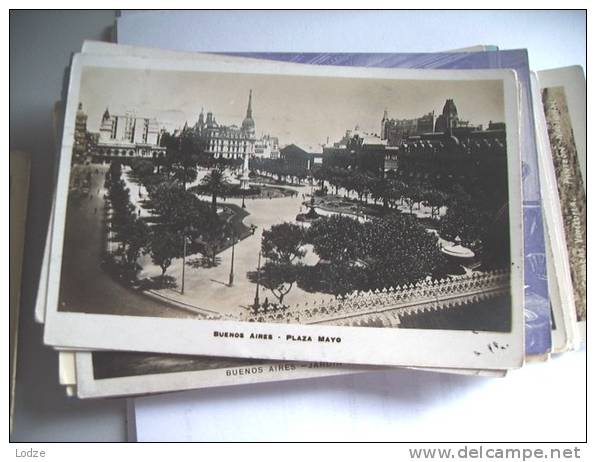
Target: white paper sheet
{"points": [[531, 404]]}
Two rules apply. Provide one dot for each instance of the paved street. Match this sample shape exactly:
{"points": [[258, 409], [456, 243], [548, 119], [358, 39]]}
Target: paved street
{"points": [[85, 286]]}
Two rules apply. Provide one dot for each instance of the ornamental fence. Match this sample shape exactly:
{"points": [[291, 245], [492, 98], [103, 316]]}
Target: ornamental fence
{"points": [[385, 307]]}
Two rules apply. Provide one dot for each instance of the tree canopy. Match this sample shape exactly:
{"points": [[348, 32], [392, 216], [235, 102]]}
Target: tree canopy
{"points": [[284, 243]]}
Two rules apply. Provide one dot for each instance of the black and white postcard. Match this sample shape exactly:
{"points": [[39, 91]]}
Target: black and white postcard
{"points": [[305, 213]]}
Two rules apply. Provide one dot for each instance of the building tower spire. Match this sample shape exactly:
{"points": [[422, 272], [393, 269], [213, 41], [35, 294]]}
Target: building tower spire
{"points": [[383, 134], [248, 125], [249, 108]]}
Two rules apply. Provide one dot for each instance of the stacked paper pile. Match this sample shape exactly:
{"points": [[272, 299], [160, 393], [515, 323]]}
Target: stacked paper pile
{"points": [[229, 219]]}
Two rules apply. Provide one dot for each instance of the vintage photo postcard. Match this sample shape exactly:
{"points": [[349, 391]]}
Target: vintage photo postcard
{"points": [[171, 383], [536, 280], [189, 231], [563, 97], [110, 386]]}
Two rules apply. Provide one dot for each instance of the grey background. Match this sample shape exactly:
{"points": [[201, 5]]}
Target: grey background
{"points": [[41, 43]]}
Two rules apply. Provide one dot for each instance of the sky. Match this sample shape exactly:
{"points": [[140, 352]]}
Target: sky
{"points": [[297, 109]]}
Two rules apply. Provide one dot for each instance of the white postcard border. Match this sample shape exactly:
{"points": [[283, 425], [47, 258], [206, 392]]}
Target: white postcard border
{"points": [[380, 346]]}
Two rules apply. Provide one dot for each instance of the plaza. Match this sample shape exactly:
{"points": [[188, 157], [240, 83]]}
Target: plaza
{"points": [[209, 287]]}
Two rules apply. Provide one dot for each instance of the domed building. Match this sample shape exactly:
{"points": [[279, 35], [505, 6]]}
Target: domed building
{"points": [[227, 141]]}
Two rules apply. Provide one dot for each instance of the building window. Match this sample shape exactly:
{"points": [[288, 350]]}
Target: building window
{"points": [[114, 128]]}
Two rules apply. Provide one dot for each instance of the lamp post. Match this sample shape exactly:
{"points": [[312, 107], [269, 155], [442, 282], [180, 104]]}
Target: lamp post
{"points": [[256, 302], [231, 279], [244, 179], [186, 231], [183, 261]]}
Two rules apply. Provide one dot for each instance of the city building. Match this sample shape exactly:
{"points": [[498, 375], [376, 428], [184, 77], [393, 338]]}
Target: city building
{"points": [[296, 158], [357, 150], [80, 146], [449, 122], [456, 149], [396, 130], [424, 148], [227, 141], [128, 136], [267, 147]]}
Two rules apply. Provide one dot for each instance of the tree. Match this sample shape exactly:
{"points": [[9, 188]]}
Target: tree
{"points": [[183, 154], [434, 199], [413, 195], [164, 247], [333, 278], [279, 278], [115, 171], [475, 228], [176, 208], [361, 183], [396, 190], [134, 236], [336, 238], [399, 250], [142, 169], [215, 185], [380, 188], [151, 181], [283, 243], [212, 235], [320, 173]]}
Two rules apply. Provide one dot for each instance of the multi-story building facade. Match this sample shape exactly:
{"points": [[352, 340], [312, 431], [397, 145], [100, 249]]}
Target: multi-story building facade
{"points": [[424, 148], [357, 150], [267, 147], [394, 131], [449, 122], [128, 136], [80, 146], [227, 141]]}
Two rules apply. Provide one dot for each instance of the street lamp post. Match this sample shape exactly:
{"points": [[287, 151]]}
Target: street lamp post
{"points": [[244, 179], [256, 303], [231, 279], [185, 232], [183, 262]]}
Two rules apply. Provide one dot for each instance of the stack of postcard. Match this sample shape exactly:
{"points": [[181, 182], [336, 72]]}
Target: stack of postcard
{"points": [[224, 219]]}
